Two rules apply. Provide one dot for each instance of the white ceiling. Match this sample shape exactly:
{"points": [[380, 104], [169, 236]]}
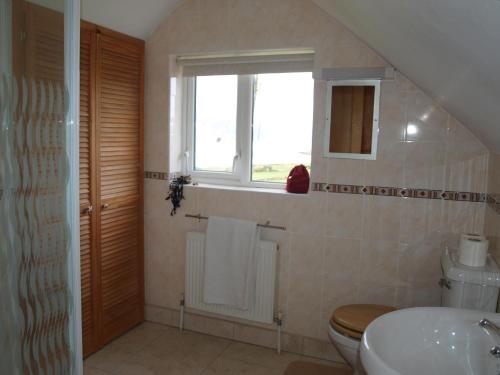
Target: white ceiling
{"points": [[450, 48], [137, 18]]}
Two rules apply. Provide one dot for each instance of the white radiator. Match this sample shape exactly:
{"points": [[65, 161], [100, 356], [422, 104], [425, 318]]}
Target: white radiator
{"points": [[263, 309]]}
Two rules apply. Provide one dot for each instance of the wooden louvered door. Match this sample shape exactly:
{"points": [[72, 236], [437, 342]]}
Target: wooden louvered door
{"points": [[43, 45], [88, 224], [111, 193], [111, 171], [119, 99]]}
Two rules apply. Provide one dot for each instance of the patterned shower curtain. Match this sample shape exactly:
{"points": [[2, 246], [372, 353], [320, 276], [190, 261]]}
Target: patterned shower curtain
{"points": [[35, 287]]}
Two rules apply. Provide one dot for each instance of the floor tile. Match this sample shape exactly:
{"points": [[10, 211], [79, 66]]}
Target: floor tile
{"points": [[193, 350], [93, 371], [256, 355], [312, 368], [130, 343], [226, 366], [145, 364], [138, 338], [106, 359], [153, 349]]}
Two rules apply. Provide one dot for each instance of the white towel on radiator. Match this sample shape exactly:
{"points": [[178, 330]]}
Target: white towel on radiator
{"points": [[230, 262]]}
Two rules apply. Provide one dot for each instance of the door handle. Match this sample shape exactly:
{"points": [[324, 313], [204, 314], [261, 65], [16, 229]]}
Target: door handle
{"points": [[104, 206], [88, 210]]}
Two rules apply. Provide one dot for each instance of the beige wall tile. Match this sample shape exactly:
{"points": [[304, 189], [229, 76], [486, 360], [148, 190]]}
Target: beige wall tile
{"points": [[393, 112], [466, 160], [345, 171], [419, 264], [337, 292], [435, 217], [344, 216], [341, 277], [307, 215], [388, 169], [414, 220], [463, 217], [425, 165], [382, 218], [254, 335], [304, 293], [155, 192], [379, 262], [342, 258], [156, 262], [277, 208], [312, 277], [214, 327], [465, 174], [321, 349], [427, 121], [418, 296], [161, 315], [377, 294], [405, 85]]}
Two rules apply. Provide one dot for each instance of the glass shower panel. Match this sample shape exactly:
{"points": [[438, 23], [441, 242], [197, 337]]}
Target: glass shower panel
{"points": [[37, 299]]}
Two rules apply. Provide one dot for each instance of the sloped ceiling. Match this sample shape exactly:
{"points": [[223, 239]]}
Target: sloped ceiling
{"points": [[450, 48], [137, 18]]}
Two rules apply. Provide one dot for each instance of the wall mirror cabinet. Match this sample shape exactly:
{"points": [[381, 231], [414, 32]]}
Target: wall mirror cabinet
{"points": [[352, 111]]}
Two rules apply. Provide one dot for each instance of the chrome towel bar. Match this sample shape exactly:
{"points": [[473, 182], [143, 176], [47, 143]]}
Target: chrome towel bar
{"points": [[266, 225]]}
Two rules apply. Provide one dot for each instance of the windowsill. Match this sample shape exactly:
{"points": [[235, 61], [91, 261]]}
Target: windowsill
{"points": [[278, 190]]}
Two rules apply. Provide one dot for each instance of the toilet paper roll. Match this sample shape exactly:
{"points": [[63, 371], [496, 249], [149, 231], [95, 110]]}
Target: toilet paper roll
{"points": [[473, 250]]}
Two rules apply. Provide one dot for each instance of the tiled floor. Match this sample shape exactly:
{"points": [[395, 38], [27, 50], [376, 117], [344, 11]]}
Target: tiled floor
{"points": [[152, 349]]}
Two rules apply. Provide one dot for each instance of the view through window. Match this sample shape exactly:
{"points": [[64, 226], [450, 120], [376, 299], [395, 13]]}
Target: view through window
{"points": [[278, 132], [215, 117], [282, 125]]}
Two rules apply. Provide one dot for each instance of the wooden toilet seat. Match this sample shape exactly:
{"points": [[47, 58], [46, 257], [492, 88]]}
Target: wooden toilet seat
{"points": [[352, 320]]}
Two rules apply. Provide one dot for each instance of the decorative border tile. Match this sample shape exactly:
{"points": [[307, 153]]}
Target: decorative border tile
{"points": [[157, 175], [390, 191], [384, 191]]}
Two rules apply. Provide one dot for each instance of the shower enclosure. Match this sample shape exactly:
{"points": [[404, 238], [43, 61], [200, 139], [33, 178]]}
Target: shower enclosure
{"points": [[40, 320]]}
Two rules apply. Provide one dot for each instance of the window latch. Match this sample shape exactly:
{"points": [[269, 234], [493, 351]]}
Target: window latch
{"points": [[235, 161]]}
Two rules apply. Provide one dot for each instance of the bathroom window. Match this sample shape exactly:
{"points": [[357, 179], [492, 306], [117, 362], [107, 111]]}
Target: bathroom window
{"points": [[215, 123], [248, 130]]}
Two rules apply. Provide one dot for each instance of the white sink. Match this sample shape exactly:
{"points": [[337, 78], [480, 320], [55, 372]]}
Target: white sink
{"points": [[430, 341]]}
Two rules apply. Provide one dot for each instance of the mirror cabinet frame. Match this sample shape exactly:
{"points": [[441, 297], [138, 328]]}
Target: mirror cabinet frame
{"points": [[328, 116]]}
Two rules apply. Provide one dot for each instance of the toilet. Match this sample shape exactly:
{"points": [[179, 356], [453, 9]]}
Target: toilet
{"points": [[347, 325]]}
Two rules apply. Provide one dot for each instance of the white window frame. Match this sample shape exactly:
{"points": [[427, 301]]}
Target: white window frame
{"points": [[242, 167]]}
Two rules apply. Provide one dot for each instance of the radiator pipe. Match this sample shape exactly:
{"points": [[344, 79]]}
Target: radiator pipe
{"points": [[182, 304], [279, 323]]}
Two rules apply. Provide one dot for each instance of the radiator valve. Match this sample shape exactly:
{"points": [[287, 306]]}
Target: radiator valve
{"points": [[278, 318]]}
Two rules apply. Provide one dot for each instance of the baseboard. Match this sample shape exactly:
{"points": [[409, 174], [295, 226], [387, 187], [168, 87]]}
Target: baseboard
{"points": [[244, 332]]}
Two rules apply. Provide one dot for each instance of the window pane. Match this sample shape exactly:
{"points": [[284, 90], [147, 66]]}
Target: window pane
{"points": [[215, 123], [282, 124]]}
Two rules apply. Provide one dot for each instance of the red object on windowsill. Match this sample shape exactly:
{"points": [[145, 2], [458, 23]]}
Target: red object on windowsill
{"points": [[298, 180]]}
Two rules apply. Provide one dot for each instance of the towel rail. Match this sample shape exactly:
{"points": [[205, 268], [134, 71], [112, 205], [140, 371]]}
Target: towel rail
{"points": [[266, 225]]}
